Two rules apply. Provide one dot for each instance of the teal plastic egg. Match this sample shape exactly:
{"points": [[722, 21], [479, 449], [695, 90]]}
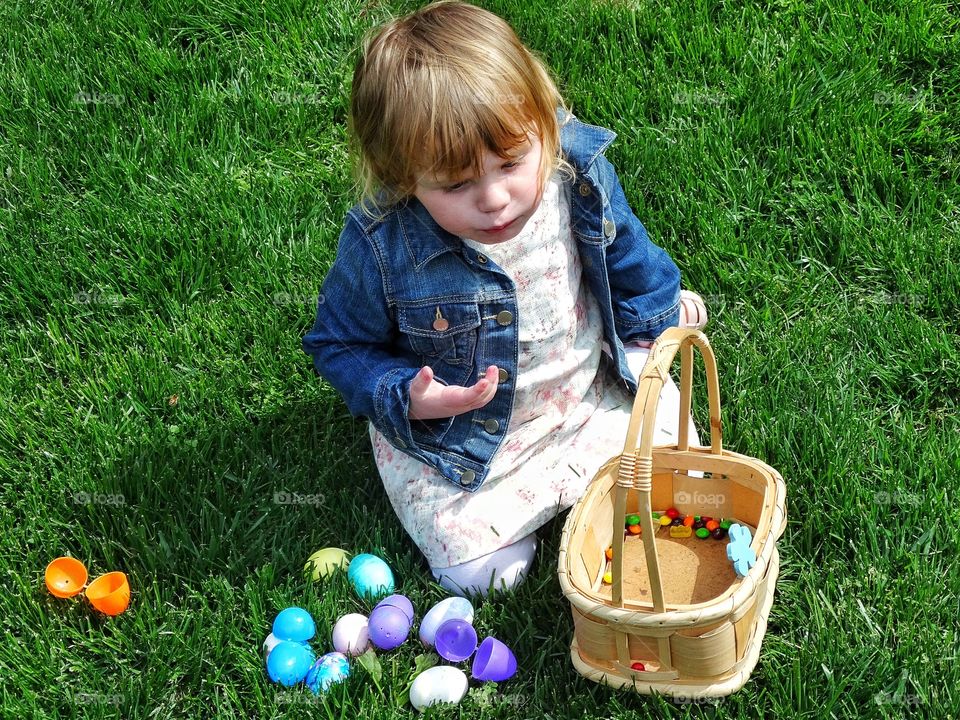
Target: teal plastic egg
{"points": [[370, 576]]}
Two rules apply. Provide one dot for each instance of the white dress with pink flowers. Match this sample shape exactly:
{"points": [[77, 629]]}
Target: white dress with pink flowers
{"points": [[569, 415]]}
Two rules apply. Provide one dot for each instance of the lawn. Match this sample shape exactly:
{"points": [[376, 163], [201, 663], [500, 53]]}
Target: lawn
{"points": [[173, 179]]}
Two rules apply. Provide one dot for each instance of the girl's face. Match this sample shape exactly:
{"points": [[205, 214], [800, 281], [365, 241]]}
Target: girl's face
{"points": [[493, 207]]}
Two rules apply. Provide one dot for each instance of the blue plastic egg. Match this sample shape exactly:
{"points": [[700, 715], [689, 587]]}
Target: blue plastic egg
{"points": [[370, 576], [327, 670], [289, 662], [294, 624]]}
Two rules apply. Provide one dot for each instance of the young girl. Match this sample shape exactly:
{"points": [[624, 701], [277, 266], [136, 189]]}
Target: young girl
{"points": [[493, 296]]}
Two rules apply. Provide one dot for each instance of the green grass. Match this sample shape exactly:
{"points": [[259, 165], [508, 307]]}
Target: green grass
{"points": [[173, 177]]}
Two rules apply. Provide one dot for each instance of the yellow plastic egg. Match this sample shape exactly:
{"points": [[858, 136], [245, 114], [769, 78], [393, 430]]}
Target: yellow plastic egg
{"points": [[324, 563]]}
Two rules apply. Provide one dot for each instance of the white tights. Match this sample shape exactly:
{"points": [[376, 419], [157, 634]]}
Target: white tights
{"points": [[506, 567]]}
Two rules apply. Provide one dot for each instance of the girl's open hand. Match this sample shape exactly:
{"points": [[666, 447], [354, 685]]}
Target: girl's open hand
{"points": [[430, 399]]}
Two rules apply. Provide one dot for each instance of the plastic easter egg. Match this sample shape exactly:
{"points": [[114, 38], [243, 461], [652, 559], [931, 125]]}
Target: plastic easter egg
{"points": [[453, 608], [456, 640], [399, 601], [294, 624], [350, 635], [327, 670], [324, 563], [269, 644], [371, 576], [388, 626], [495, 661], [65, 577], [289, 662], [439, 684]]}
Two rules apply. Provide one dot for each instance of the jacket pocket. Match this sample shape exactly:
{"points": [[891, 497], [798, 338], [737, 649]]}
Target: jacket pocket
{"points": [[442, 331]]}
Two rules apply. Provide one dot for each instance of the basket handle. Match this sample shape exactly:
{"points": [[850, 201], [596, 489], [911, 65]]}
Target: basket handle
{"points": [[636, 462]]}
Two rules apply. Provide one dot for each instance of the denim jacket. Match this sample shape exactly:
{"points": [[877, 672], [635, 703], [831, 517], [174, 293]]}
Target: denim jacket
{"points": [[392, 275]]}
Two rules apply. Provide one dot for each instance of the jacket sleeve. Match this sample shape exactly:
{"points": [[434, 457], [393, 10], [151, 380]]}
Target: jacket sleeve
{"points": [[352, 339], [644, 280]]}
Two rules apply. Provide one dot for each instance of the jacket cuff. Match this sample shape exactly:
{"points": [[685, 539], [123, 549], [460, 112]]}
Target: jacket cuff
{"points": [[651, 328], [392, 403]]}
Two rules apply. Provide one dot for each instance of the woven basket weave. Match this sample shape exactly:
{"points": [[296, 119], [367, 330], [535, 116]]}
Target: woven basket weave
{"points": [[676, 606]]}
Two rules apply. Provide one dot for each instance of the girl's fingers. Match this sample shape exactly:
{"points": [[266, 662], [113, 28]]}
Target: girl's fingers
{"points": [[422, 380], [486, 387]]}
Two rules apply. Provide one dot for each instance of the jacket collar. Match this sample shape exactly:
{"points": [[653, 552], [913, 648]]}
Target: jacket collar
{"points": [[425, 239], [581, 143]]}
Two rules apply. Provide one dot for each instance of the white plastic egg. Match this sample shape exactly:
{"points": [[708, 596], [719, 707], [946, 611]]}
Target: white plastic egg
{"points": [[453, 608], [269, 644], [439, 684], [350, 635]]}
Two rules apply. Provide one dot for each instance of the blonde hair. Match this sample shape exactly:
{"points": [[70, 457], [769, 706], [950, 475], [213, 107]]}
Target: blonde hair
{"points": [[434, 90]]}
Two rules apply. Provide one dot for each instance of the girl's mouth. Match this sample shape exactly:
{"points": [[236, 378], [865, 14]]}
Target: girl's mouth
{"points": [[500, 228]]}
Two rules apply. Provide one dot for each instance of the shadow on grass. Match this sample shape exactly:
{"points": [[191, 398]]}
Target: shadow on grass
{"points": [[269, 490]]}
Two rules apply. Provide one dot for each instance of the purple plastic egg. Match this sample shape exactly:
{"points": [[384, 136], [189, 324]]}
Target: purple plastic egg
{"points": [[494, 661], [388, 627], [399, 601], [456, 640]]}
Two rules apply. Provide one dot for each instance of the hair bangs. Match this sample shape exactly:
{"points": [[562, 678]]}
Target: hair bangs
{"points": [[461, 130]]}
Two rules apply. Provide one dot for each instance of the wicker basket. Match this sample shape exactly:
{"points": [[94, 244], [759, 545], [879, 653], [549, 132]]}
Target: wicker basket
{"points": [[676, 606]]}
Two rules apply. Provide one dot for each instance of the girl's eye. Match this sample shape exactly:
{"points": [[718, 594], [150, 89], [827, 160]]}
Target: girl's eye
{"points": [[455, 186]]}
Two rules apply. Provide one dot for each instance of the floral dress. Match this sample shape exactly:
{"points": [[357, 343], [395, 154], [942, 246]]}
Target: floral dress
{"points": [[569, 416]]}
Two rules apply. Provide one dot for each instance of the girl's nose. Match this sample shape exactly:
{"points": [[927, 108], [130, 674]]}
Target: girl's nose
{"points": [[493, 197]]}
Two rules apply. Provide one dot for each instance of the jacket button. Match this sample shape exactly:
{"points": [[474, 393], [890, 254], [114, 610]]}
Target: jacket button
{"points": [[584, 189], [468, 477], [482, 259], [504, 375], [504, 317], [609, 228], [491, 425]]}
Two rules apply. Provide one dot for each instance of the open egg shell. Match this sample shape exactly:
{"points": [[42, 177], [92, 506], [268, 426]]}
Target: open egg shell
{"points": [[453, 608], [439, 684], [371, 577], [350, 634], [294, 623], [65, 577]]}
